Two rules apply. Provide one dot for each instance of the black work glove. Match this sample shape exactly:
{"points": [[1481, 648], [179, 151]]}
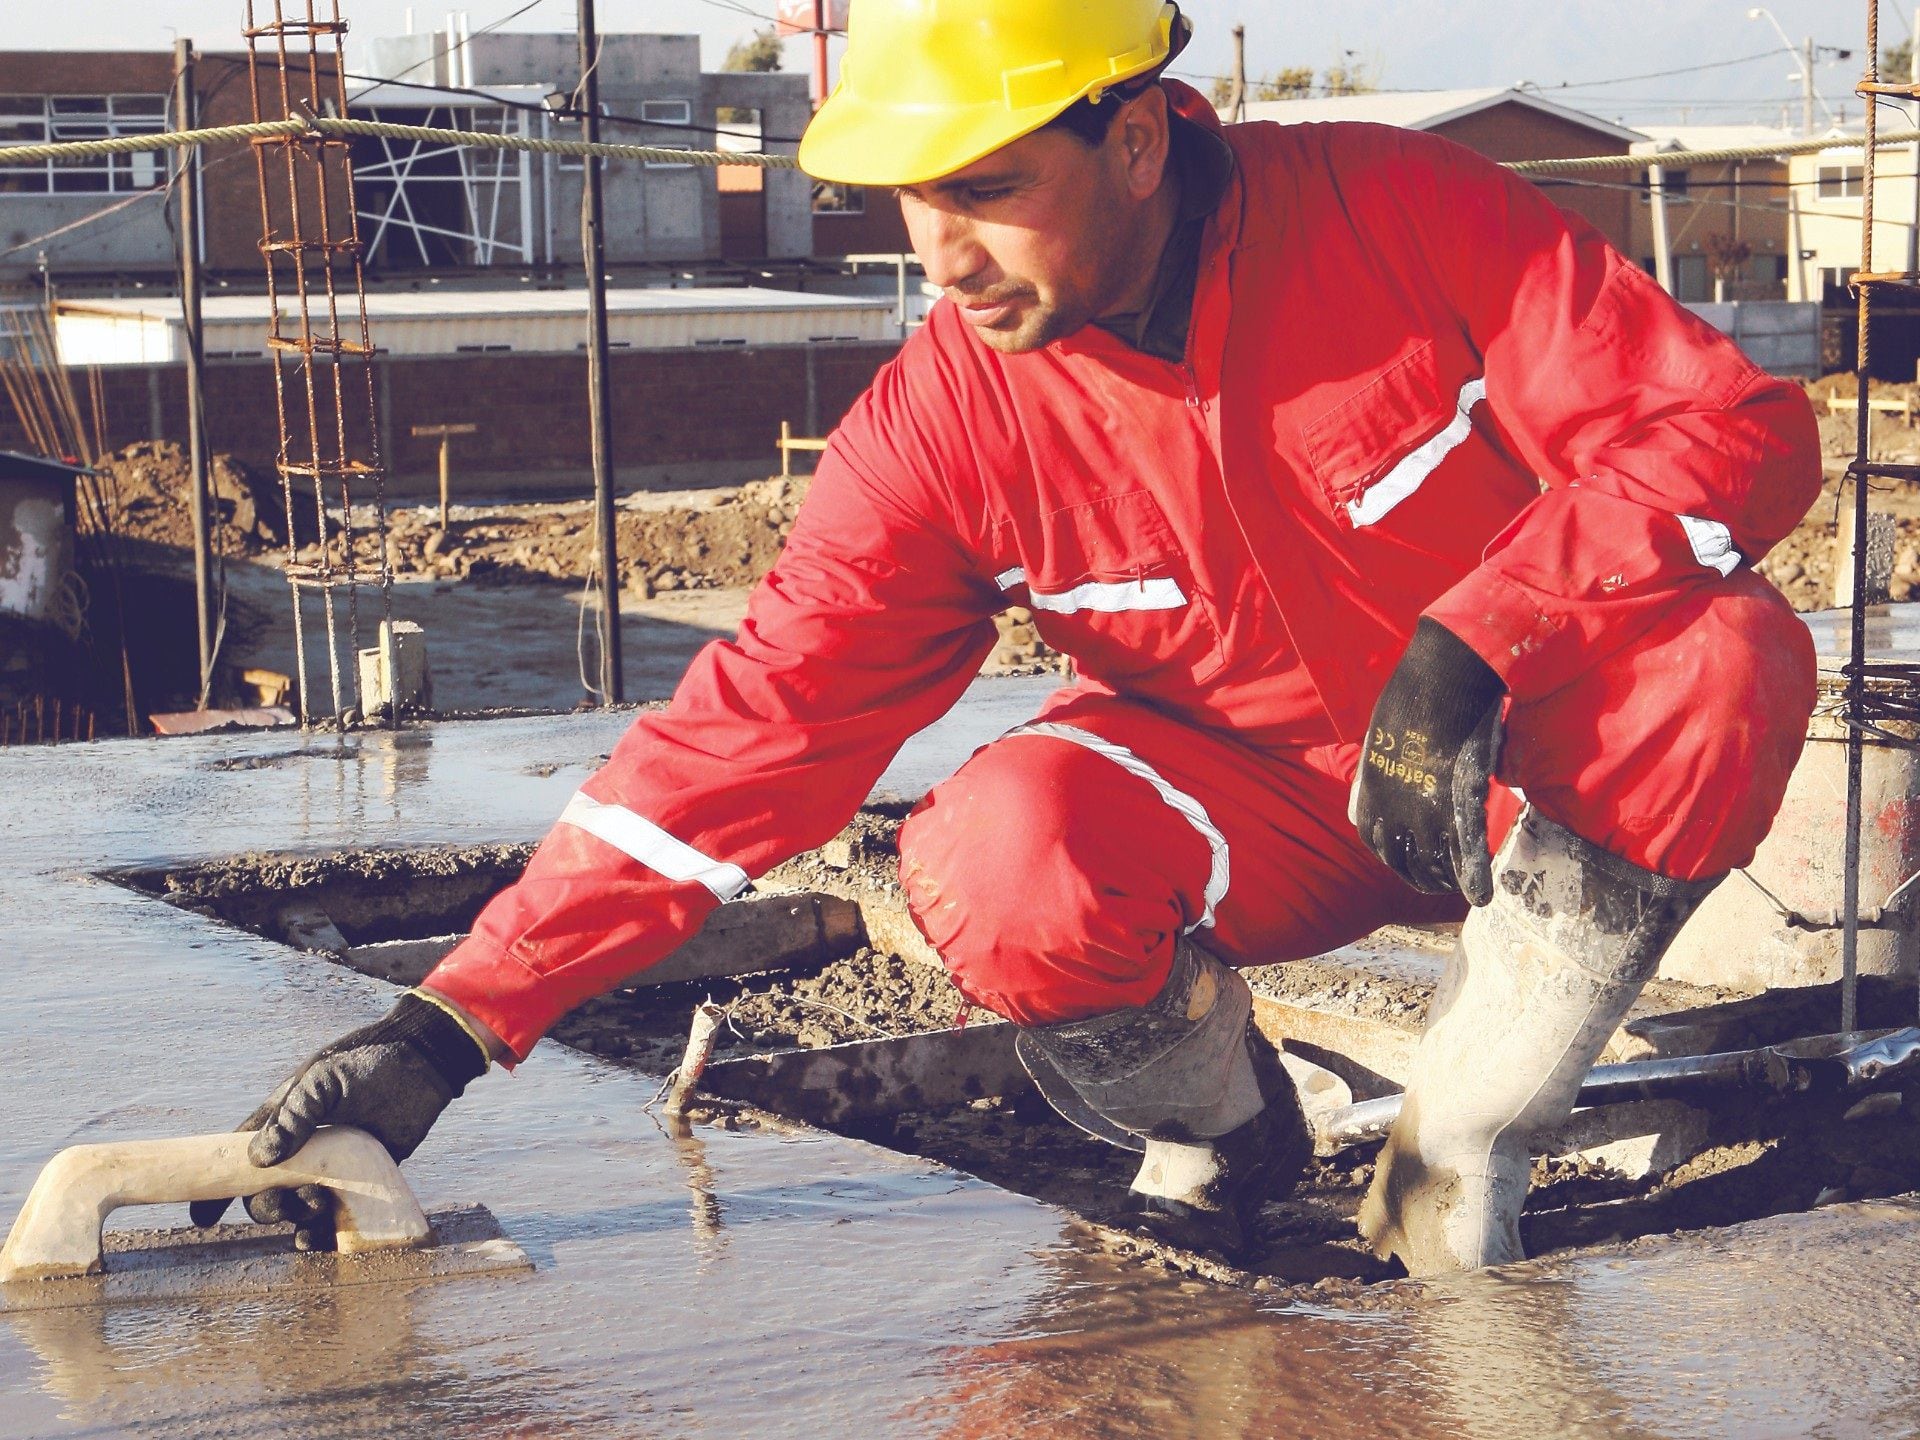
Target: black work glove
{"points": [[391, 1078], [1420, 800]]}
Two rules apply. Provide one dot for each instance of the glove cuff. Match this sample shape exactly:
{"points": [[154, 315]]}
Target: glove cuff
{"points": [[454, 1054]]}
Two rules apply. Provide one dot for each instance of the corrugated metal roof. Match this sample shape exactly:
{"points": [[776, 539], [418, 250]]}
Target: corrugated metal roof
{"points": [[1424, 109], [442, 320], [1711, 137]]}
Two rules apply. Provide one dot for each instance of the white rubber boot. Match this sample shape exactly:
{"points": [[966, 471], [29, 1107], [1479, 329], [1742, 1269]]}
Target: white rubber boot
{"points": [[1542, 976]]}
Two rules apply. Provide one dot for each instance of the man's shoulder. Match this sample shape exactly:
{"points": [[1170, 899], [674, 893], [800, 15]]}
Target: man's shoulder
{"points": [[1343, 148]]}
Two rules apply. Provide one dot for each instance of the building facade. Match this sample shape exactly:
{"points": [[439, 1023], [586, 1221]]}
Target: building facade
{"points": [[421, 206], [1727, 223]]}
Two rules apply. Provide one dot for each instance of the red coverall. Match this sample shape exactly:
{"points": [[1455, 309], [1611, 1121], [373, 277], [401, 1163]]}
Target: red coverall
{"points": [[1413, 386]]}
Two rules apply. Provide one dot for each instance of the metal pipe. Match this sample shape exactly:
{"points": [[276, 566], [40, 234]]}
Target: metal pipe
{"points": [[187, 178], [593, 246], [1822, 1064]]}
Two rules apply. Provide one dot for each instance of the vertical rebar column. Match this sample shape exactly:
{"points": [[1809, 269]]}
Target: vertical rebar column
{"points": [[310, 240], [1857, 620], [599, 420]]}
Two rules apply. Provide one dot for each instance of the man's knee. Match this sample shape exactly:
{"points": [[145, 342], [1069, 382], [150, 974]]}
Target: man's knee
{"points": [[1676, 755], [1049, 880]]}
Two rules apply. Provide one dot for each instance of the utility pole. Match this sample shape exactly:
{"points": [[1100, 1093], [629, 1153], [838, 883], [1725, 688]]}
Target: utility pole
{"points": [[819, 53], [1662, 245], [1806, 88], [187, 183], [1237, 98], [593, 245]]}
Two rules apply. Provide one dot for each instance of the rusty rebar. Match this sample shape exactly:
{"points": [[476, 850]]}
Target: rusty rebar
{"points": [[329, 325]]}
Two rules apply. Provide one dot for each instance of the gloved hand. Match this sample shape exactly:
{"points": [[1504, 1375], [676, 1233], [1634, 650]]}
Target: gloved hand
{"points": [[391, 1078], [1420, 799]]}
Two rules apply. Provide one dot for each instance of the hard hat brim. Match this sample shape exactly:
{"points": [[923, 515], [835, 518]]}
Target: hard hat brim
{"points": [[857, 142]]}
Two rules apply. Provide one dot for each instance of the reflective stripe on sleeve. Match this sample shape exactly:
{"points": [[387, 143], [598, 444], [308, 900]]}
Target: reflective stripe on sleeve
{"points": [[1190, 809], [1712, 543], [1102, 597], [653, 847], [1372, 505]]}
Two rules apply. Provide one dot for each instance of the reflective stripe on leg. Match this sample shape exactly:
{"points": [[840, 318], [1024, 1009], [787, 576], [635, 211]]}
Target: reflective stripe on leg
{"points": [[1190, 809]]}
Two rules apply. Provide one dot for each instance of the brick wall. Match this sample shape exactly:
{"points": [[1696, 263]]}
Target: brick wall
{"points": [[703, 410], [1519, 132]]}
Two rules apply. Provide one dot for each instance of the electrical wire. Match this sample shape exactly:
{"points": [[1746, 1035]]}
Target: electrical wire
{"points": [[462, 43]]}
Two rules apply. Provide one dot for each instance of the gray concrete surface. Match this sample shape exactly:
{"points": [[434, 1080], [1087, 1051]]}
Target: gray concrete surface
{"points": [[747, 1283], [499, 646]]}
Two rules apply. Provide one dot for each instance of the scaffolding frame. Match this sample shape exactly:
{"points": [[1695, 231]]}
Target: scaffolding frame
{"points": [[487, 179]]}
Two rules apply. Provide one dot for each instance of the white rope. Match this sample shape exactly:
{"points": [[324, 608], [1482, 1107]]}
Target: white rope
{"points": [[320, 126]]}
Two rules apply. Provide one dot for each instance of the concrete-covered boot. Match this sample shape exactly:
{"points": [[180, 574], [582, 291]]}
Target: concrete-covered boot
{"points": [[1542, 976], [1189, 1081]]}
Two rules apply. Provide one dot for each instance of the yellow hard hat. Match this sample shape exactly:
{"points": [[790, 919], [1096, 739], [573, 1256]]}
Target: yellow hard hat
{"points": [[927, 87]]}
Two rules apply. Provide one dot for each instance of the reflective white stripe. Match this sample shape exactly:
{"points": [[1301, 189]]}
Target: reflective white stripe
{"points": [[1110, 597], [1712, 543], [1408, 476], [1107, 597], [1192, 809], [652, 846]]}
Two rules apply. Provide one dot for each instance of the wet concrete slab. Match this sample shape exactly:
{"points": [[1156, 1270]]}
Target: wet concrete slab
{"points": [[744, 1282]]}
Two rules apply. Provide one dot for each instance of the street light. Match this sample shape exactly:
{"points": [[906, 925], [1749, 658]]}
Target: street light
{"points": [[1802, 57]]}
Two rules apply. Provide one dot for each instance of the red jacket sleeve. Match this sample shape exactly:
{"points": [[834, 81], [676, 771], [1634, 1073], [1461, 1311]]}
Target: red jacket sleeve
{"points": [[868, 629], [1668, 458]]}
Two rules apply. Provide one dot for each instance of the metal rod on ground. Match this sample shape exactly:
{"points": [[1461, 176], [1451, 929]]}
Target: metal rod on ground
{"points": [[685, 1080], [593, 244], [187, 180]]}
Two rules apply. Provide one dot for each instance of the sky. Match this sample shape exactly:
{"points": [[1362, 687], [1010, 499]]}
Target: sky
{"points": [[1583, 53]]}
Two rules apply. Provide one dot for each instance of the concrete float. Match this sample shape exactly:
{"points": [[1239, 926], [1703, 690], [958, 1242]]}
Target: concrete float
{"points": [[56, 1255]]}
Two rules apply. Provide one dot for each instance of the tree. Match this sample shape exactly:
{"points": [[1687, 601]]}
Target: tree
{"points": [[1727, 259], [1293, 83], [1896, 61], [759, 54], [1350, 77]]}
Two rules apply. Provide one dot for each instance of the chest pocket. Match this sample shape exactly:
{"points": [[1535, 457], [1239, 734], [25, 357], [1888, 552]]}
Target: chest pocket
{"points": [[1108, 585], [1378, 447]]}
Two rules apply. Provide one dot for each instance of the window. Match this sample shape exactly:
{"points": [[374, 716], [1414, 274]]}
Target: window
{"points": [[838, 199], [1675, 183], [1839, 182], [41, 119], [666, 112]]}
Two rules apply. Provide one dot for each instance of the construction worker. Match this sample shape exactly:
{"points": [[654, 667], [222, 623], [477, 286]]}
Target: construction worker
{"points": [[1401, 532]]}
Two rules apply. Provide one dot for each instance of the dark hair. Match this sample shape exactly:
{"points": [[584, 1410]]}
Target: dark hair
{"points": [[1088, 122]]}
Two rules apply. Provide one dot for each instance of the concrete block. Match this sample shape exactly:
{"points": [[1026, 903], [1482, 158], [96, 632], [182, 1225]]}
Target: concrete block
{"points": [[763, 932], [394, 672]]}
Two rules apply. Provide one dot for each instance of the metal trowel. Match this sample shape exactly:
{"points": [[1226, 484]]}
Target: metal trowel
{"points": [[58, 1254]]}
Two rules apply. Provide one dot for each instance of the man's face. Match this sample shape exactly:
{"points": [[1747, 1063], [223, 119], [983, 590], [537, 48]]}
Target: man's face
{"points": [[1043, 236]]}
